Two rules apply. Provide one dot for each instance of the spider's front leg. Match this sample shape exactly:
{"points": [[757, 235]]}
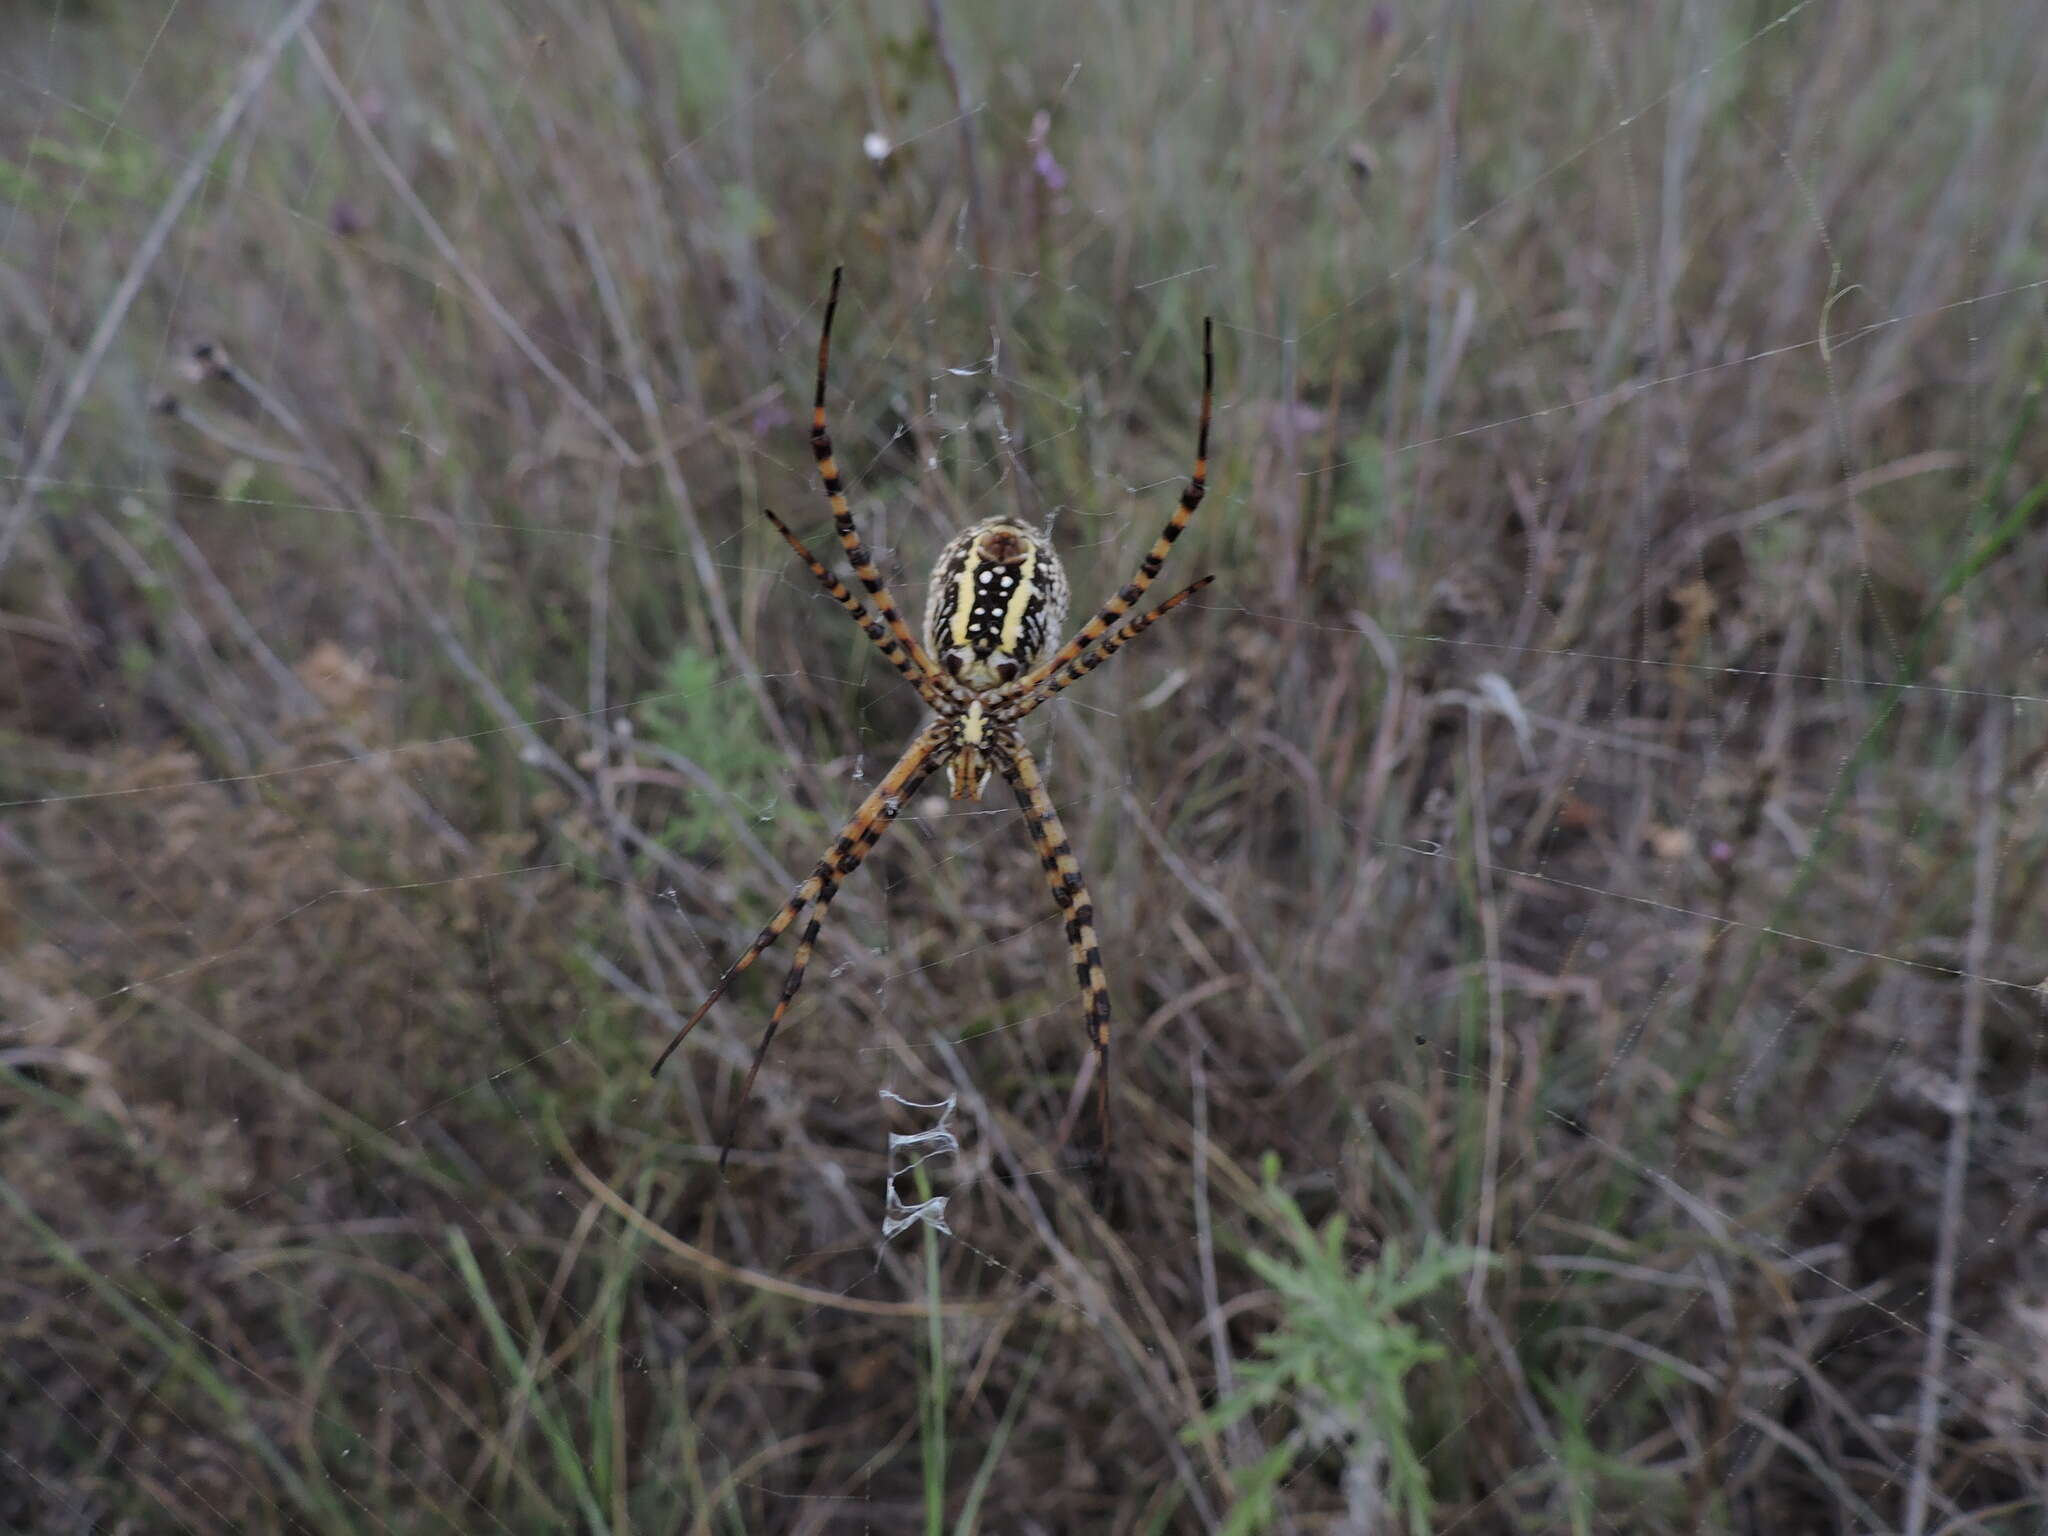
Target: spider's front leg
{"points": [[842, 512], [1155, 558], [923, 681], [1063, 873]]}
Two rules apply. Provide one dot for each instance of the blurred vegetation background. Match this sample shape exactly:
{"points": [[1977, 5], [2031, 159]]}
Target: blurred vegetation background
{"points": [[1572, 889]]}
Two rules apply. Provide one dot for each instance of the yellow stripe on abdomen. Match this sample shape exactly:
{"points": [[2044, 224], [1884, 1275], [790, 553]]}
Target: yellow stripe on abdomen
{"points": [[1020, 602], [963, 600]]}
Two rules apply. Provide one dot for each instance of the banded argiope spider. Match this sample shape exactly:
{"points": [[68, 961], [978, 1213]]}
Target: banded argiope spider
{"points": [[998, 594]]}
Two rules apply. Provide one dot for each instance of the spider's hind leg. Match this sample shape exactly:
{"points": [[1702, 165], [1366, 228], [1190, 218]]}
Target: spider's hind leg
{"points": [[843, 862], [800, 898], [856, 838], [855, 842], [1063, 873]]}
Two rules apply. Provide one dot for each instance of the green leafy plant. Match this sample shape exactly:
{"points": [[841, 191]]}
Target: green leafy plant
{"points": [[1340, 1360], [703, 714]]}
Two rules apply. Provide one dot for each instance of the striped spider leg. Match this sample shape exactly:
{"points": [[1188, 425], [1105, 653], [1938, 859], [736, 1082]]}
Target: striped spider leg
{"points": [[919, 677], [997, 597], [1070, 893], [1155, 558], [842, 514], [1016, 709], [855, 842]]}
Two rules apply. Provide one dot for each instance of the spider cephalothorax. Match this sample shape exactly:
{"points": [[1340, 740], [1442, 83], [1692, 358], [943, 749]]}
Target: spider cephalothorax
{"points": [[998, 596]]}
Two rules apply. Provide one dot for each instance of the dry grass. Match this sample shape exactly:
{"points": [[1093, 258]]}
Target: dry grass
{"points": [[1597, 819]]}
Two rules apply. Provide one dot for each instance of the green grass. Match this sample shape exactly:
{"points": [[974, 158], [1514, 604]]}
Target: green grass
{"points": [[1339, 1361], [1557, 838]]}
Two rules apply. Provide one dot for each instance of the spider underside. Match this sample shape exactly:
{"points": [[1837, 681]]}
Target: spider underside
{"points": [[998, 595]]}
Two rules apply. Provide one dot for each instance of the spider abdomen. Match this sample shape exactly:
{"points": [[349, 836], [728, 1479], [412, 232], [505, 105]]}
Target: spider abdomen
{"points": [[998, 594]]}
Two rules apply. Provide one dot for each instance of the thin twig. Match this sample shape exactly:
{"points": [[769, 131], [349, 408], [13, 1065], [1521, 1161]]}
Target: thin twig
{"points": [[722, 1269], [500, 315], [991, 290], [292, 687], [1147, 1370], [664, 453], [254, 72], [1969, 1051], [1220, 909], [533, 750], [1496, 1009], [1237, 1435]]}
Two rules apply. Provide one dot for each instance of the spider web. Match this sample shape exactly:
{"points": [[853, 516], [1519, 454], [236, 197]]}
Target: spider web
{"points": [[1595, 820]]}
